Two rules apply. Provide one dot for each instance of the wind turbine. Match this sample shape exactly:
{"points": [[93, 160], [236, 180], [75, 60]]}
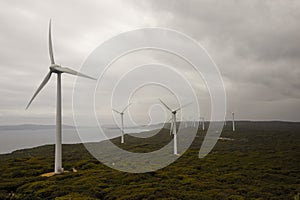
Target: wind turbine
{"points": [[233, 123], [173, 125], [57, 69], [203, 125], [122, 121]]}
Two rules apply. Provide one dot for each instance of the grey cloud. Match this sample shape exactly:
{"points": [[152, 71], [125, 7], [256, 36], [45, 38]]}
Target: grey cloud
{"points": [[256, 45]]}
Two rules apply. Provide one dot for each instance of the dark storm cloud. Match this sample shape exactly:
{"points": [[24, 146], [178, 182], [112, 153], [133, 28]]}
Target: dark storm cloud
{"points": [[256, 44]]}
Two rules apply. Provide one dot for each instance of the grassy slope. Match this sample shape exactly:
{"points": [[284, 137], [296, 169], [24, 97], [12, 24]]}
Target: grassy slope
{"points": [[263, 162]]}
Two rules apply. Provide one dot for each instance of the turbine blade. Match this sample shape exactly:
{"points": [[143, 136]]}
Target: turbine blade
{"points": [[165, 105], [116, 111], [185, 105], [46, 79], [126, 107], [73, 72], [50, 45]]}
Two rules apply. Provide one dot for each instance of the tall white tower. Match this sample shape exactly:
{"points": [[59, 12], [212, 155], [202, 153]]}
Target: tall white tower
{"points": [[233, 123]]}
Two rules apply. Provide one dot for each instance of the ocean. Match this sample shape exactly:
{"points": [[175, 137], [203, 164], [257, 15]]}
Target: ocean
{"points": [[15, 139]]}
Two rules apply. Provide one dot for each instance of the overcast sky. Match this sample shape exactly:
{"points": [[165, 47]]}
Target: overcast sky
{"points": [[255, 44]]}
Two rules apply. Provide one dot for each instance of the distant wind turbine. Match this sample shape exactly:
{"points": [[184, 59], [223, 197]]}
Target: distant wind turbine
{"points": [[54, 68], [122, 121], [173, 126], [203, 125], [233, 123]]}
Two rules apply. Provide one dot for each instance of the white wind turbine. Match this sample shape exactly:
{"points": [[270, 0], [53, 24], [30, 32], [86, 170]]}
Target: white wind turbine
{"points": [[173, 124], [122, 121], [203, 125], [57, 69], [233, 123]]}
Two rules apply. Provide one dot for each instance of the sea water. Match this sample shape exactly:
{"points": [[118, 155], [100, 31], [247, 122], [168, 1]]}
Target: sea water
{"points": [[11, 140]]}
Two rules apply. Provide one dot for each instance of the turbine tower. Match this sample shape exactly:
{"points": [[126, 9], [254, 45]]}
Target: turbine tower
{"points": [[122, 121], [57, 69], [233, 123], [203, 125], [173, 125]]}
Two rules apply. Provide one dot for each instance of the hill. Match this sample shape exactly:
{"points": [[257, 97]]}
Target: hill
{"points": [[262, 162]]}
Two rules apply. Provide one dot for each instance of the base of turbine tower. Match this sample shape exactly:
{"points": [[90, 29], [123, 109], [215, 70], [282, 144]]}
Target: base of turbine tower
{"points": [[49, 174], [60, 171]]}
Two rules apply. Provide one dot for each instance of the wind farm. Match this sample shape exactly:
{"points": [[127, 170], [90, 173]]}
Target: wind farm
{"points": [[27, 174], [251, 149], [149, 100]]}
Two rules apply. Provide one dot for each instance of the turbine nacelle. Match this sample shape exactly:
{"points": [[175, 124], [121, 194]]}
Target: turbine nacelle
{"points": [[173, 111], [55, 68]]}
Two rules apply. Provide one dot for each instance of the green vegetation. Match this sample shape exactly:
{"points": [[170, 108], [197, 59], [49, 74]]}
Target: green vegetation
{"points": [[262, 162]]}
